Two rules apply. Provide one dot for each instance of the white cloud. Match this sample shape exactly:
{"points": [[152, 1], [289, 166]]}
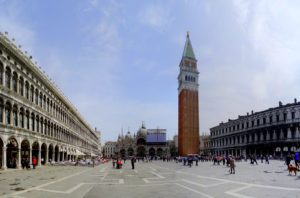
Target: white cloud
{"points": [[11, 22], [156, 16]]}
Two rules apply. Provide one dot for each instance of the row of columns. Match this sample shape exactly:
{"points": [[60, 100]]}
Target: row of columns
{"points": [[61, 156], [268, 138]]}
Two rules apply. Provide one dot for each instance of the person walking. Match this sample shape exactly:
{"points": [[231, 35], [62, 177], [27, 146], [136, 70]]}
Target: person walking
{"points": [[267, 160], [114, 163], [23, 163], [133, 160], [34, 162], [232, 165], [288, 160], [297, 159]]}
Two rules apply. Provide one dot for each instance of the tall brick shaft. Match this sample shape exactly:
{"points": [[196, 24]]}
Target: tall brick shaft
{"points": [[188, 108]]}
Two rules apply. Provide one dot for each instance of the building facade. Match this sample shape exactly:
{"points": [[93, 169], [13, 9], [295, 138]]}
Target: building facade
{"points": [[147, 142], [36, 120], [188, 108], [205, 145], [98, 134], [109, 149], [274, 131]]}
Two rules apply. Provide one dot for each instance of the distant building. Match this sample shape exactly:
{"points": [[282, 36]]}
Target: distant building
{"points": [[109, 149], [98, 134], [205, 145], [147, 142], [175, 139], [188, 108], [274, 131]]}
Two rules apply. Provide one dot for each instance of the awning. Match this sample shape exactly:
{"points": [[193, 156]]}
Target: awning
{"points": [[79, 152], [93, 155]]}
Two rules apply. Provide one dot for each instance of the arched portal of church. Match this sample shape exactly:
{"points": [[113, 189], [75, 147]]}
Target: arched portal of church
{"points": [[12, 153], [152, 152], [141, 141], [159, 152], [123, 153], [130, 152], [141, 151]]}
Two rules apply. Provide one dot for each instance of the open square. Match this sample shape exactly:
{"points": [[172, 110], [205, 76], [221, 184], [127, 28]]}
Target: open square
{"points": [[153, 179]]}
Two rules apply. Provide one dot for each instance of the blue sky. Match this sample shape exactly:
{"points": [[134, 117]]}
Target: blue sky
{"points": [[117, 61]]}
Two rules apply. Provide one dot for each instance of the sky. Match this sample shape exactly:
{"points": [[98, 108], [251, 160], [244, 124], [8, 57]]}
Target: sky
{"points": [[118, 61]]}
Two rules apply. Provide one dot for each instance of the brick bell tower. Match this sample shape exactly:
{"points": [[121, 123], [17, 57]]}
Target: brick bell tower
{"points": [[188, 107]]}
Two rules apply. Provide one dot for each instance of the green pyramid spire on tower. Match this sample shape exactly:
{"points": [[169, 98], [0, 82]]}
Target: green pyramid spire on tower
{"points": [[188, 49]]}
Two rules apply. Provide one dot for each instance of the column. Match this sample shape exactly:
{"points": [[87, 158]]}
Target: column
{"points": [[30, 155], [58, 156], [4, 156], [289, 133], [19, 158], [255, 137], [47, 156], [40, 155], [53, 155], [63, 156]]}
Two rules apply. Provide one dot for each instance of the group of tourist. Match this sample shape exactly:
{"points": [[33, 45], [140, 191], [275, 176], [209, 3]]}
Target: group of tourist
{"points": [[117, 163], [25, 163]]}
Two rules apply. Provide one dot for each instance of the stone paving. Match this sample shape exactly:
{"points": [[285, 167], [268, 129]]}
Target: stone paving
{"points": [[153, 179]]}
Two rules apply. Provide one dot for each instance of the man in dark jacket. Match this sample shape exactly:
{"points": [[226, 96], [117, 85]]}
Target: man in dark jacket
{"points": [[133, 162]]}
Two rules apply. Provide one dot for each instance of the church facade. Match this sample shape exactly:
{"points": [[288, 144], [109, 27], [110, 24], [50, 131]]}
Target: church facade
{"points": [[146, 143]]}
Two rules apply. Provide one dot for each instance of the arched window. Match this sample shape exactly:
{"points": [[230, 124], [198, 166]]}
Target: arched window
{"points": [[32, 122], [51, 106], [1, 73], [48, 104], [27, 120], [44, 101], [21, 86], [7, 113], [27, 89], [1, 110], [7, 77], [31, 93], [37, 124], [22, 117], [15, 82], [15, 116], [41, 100], [41, 126], [36, 96]]}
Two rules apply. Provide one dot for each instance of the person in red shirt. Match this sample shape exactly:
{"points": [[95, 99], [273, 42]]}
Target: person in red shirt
{"points": [[34, 162]]}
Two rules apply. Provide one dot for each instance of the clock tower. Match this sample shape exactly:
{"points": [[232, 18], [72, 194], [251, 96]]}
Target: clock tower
{"points": [[188, 107]]}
